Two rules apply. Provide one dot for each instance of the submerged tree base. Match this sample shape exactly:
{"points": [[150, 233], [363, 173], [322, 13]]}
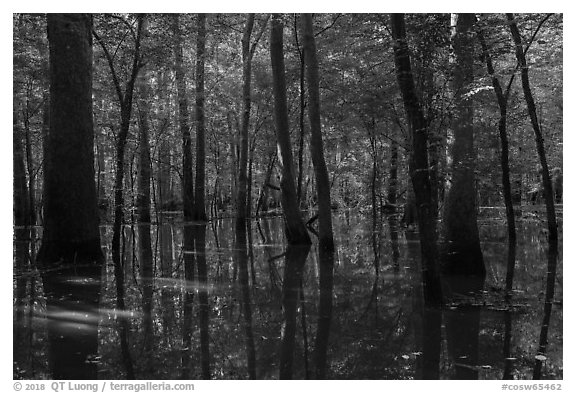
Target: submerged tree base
{"points": [[462, 261], [70, 253]]}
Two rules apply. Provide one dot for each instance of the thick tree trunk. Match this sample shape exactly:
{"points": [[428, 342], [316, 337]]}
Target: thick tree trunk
{"points": [[199, 202], [295, 229], [548, 193], [418, 167], [70, 212], [461, 252], [316, 143], [183, 118]]}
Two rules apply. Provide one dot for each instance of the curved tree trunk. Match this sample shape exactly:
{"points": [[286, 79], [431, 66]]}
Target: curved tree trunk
{"points": [[548, 193], [504, 159]]}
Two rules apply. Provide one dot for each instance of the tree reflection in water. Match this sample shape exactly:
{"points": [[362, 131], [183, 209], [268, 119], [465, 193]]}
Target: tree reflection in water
{"points": [[312, 314]]}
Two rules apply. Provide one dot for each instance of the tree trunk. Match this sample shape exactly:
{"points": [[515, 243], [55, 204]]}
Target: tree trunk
{"points": [[246, 103], [30, 171], [548, 194], [296, 232], [70, 212], [418, 167], [20, 195], [461, 253], [393, 174], [144, 166], [316, 145], [143, 203], [183, 117], [199, 204], [301, 118], [503, 105], [165, 192]]}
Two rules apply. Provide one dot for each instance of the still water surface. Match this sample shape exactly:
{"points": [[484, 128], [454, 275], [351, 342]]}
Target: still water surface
{"points": [[272, 312]]}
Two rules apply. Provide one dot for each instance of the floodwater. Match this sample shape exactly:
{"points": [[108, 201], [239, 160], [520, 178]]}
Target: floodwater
{"points": [[268, 311]]}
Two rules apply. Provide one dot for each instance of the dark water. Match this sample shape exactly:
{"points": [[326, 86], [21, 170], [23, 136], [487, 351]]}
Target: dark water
{"points": [[270, 312]]}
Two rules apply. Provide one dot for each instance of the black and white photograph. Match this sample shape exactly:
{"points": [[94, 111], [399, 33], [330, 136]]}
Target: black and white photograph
{"points": [[287, 196]]}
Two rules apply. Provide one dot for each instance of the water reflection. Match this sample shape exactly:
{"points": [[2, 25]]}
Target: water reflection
{"points": [[326, 262], [292, 283], [462, 319], [72, 299], [358, 313], [548, 301]]}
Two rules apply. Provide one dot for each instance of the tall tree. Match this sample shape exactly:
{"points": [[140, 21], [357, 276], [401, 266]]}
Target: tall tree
{"points": [[461, 252], [296, 232], [316, 145], [70, 204], [143, 200], [183, 119], [547, 183], [199, 205], [125, 99], [502, 98], [418, 165], [248, 50]]}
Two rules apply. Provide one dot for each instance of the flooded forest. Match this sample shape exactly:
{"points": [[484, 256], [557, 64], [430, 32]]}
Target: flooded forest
{"points": [[287, 196]]}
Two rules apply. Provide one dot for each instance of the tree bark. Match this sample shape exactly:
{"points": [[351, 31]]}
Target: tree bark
{"points": [[461, 251], [548, 194], [199, 201], [418, 166], [20, 195], [183, 118], [296, 232], [164, 190], [504, 151], [316, 144], [70, 207]]}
